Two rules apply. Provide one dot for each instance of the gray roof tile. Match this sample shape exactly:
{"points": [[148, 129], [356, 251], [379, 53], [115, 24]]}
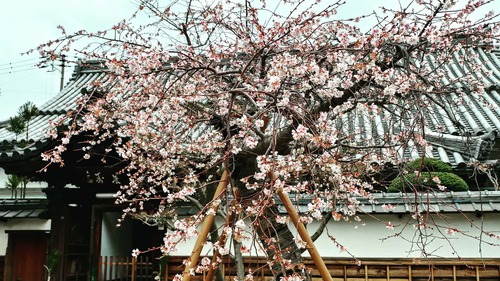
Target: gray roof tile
{"points": [[22, 208]]}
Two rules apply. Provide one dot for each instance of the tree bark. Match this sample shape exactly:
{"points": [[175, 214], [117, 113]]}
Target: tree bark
{"points": [[276, 238], [238, 260], [214, 237]]}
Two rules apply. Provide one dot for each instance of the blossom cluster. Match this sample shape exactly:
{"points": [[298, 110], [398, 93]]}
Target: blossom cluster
{"points": [[301, 103]]}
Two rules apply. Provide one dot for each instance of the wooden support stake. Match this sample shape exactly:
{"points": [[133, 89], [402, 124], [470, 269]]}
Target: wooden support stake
{"points": [[205, 229], [304, 235]]}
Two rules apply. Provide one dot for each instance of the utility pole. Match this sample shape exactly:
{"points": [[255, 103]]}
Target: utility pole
{"points": [[61, 84]]}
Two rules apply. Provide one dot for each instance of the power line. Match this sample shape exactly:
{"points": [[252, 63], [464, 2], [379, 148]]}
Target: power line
{"points": [[17, 71], [18, 62], [17, 66], [26, 67]]}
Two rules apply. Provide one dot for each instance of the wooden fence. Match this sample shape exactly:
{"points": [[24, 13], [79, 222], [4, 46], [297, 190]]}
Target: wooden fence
{"points": [[125, 268], [146, 268]]}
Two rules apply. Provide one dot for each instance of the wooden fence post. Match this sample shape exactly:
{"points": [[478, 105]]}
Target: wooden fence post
{"points": [[134, 268], [105, 276], [111, 264], [99, 269]]}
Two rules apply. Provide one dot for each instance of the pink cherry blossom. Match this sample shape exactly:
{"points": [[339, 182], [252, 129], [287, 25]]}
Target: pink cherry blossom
{"points": [[300, 100]]}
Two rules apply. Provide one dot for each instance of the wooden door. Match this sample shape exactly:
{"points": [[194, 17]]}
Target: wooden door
{"points": [[25, 257]]}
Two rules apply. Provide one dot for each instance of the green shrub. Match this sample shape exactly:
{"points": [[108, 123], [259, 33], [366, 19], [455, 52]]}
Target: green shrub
{"points": [[409, 182], [429, 165]]}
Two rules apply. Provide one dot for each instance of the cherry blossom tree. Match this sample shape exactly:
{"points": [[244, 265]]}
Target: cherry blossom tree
{"points": [[265, 93]]}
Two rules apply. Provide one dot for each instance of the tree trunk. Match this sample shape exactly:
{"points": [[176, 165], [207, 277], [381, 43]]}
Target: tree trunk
{"points": [[238, 260], [276, 238], [214, 237]]}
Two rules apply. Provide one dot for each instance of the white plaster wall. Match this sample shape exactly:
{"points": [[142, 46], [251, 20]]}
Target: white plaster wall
{"points": [[20, 224], [33, 184], [115, 241], [33, 188], [365, 239], [368, 240]]}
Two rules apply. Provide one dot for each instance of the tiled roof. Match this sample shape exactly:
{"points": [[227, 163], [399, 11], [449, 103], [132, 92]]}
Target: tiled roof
{"points": [[466, 201], [58, 106], [31, 192], [453, 145], [22, 208], [477, 118]]}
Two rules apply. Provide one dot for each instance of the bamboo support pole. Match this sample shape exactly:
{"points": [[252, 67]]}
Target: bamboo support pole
{"points": [[304, 235], [205, 229]]}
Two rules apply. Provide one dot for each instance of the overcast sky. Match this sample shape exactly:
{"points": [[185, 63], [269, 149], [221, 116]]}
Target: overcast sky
{"points": [[25, 24]]}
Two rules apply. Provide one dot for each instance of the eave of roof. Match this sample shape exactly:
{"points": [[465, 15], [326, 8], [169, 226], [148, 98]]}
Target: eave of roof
{"points": [[57, 107], [439, 202], [22, 208]]}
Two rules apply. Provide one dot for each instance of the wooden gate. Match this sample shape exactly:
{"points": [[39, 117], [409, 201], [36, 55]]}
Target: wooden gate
{"points": [[25, 255]]}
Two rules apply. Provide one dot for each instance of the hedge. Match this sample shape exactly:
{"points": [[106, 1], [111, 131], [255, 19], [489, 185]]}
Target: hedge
{"points": [[429, 165], [426, 182]]}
